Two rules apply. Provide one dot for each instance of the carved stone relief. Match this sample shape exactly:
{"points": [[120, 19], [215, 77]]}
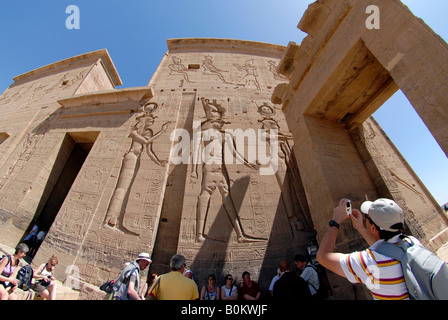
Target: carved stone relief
{"points": [[214, 172], [178, 68], [246, 74], [250, 77], [286, 172], [143, 138], [273, 69], [210, 69]]}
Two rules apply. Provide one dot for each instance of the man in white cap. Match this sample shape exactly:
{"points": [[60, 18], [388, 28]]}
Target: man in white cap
{"points": [[126, 287], [382, 275]]}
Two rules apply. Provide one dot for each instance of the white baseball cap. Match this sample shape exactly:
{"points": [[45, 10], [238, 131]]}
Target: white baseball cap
{"points": [[385, 213]]}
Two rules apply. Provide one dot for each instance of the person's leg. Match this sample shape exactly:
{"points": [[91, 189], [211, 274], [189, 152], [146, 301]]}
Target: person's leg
{"points": [[45, 294], [3, 293], [12, 296], [52, 289]]}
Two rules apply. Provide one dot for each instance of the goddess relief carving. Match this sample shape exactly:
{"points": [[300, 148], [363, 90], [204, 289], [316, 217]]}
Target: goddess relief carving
{"points": [[142, 139], [284, 175]]}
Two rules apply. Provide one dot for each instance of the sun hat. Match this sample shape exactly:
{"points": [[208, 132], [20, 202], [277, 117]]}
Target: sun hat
{"points": [[385, 213], [144, 256]]}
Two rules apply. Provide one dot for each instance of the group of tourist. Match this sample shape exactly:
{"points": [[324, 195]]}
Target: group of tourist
{"points": [[383, 224], [43, 279], [179, 284]]}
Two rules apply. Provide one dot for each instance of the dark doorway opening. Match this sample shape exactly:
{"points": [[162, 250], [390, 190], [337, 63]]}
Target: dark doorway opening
{"points": [[73, 152]]}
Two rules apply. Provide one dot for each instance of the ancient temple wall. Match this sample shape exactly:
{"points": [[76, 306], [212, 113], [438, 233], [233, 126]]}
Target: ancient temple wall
{"points": [[241, 77], [112, 210], [112, 213], [29, 150]]}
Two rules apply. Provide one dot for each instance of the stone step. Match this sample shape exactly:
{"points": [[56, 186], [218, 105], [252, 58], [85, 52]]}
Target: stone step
{"points": [[62, 293]]}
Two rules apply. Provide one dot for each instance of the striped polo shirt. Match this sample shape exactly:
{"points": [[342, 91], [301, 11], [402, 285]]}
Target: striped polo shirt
{"points": [[382, 275]]}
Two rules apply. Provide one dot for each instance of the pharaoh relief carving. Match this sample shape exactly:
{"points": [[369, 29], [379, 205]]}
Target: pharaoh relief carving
{"points": [[214, 173], [177, 68], [250, 77], [286, 171], [143, 138], [210, 69], [245, 74]]}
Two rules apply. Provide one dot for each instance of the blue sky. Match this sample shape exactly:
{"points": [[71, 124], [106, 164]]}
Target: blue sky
{"points": [[34, 34]]}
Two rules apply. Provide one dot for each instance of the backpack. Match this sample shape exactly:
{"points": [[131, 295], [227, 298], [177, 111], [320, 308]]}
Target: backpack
{"points": [[324, 290], [25, 275], [425, 274], [108, 286], [9, 259], [123, 280]]}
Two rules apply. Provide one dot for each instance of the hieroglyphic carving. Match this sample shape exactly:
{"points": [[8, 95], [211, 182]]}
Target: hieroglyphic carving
{"points": [[178, 68], [142, 139], [246, 76], [250, 78], [210, 69], [29, 147], [297, 218], [273, 69], [214, 173]]}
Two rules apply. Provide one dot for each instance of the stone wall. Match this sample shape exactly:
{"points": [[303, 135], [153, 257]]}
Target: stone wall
{"points": [[97, 166], [339, 75]]}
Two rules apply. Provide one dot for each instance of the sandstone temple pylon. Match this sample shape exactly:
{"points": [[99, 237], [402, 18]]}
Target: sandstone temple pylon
{"points": [[233, 155]]}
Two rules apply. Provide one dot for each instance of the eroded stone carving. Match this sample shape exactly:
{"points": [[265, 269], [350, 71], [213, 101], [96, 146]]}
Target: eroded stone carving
{"points": [[178, 68], [210, 69], [273, 69], [250, 77], [285, 174], [142, 139]]}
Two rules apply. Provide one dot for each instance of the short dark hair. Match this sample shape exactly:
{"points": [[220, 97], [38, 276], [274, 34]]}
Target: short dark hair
{"points": [[228, 276], [299, 258], [384, 234], [211, 276]]}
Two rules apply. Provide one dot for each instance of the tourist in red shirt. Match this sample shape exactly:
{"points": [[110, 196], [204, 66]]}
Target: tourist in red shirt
{"points": [[249, 288]]}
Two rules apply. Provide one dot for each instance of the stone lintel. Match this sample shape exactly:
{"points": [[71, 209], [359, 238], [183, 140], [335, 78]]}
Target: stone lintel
{"points": [[110, 96]]}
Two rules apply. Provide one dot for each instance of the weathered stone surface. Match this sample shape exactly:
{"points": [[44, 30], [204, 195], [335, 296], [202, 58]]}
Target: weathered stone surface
{"points": [[95, 165], [342, 73], [111, 173]]}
